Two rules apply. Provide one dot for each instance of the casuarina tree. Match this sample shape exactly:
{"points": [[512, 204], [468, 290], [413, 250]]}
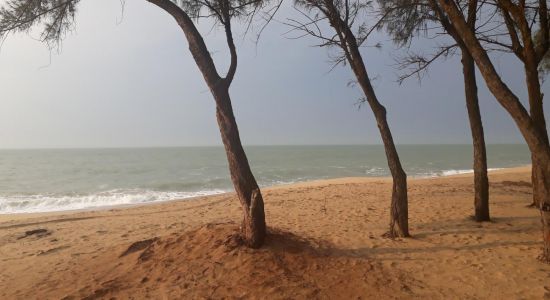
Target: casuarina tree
{"points": [[520, 21], [350, 32], [405, 20], [55, 17]]}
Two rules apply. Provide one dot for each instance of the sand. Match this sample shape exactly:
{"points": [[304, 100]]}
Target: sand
{"points": [[325, 243]]}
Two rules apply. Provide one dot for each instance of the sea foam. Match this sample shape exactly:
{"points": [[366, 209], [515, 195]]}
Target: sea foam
{"points": [[49, 203]]}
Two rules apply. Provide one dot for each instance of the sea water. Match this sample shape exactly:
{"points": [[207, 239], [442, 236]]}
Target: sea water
{"points": [[67, 179]]}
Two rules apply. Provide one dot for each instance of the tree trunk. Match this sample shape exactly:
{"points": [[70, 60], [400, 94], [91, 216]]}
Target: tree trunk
{"points": [[532, 135], [540, 176], [536, 110], [253, 226], [399, 210], [545, 216], [536, 139], [540, 179], [481, 180]]}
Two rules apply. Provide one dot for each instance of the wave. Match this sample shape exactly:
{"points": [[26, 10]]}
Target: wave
{"points": [[44, 202], [48, 203], [456, 172], [450, 172]]}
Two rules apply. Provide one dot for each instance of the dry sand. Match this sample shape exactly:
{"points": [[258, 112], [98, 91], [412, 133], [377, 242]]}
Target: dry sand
{"points": [[325, 242]]}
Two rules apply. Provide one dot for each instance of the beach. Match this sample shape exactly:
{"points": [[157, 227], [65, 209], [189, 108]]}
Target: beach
{"points": [[326, 241]]}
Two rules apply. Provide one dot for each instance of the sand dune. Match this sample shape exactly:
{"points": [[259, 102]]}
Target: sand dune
{"points": [[325, 242]]}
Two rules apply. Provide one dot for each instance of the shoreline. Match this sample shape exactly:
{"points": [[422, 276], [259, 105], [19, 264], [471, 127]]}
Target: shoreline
{"points": [[325, 238], [357, 179]]}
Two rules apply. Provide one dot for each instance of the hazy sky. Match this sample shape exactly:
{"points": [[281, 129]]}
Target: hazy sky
{"points": [[134, 83]]}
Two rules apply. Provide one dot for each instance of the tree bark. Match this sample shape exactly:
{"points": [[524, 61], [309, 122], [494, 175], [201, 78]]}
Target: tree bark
{"points": [[253, 229], [545, 217], [539, 178], [536, 110], [399, 210], [481, 180]]}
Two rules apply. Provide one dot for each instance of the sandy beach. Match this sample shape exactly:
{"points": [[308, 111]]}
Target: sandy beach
{"points": [[325, 242]]}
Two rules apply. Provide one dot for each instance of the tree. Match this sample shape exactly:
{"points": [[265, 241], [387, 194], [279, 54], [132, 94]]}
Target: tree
{"points": [[403, 20], [518, 20], [57, 16], [342, 15]]}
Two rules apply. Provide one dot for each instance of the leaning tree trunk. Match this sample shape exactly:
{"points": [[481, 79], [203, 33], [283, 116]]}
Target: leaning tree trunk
{"points": [[538, 178], [253, 227], [481, 180], [399, 214], [399, 210]]}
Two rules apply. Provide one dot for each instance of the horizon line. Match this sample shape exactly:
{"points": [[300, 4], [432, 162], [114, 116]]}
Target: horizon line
{"points": [[249, 145]]}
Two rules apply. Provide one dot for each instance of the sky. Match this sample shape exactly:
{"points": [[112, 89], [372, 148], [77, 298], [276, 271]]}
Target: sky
{"points": [[128, 80]]}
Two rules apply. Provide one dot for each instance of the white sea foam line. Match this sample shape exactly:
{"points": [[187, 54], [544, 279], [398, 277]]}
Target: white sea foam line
{"points": [[456, 172], [450, 172], [48, 203]]}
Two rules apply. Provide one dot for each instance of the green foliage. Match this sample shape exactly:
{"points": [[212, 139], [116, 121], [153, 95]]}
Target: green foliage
{"points": [[56, 17], [404, 19], [220, 10]]}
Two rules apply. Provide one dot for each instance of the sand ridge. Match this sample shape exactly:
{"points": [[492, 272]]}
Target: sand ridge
{"points": [[326, 243]]}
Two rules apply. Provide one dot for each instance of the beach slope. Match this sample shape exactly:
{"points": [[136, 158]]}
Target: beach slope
{"points": [[326, 241]]}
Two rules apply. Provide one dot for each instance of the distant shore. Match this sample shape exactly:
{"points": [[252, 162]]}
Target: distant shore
{"points": [[326, 238]]}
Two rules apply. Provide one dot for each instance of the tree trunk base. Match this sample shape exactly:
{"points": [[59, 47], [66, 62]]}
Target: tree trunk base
{"points": [[399, 210], [482, 218], [395, 233], [545, 217], [253, 228]]}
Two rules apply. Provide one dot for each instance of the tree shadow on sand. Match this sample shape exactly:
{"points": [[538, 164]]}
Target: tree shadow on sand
{"points": [[209, 262]]}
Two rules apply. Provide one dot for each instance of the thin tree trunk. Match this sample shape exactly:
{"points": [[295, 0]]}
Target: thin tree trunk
{"points": [[253, 226], [532, 135], [399, 210], [481, 180], [535, 137]]}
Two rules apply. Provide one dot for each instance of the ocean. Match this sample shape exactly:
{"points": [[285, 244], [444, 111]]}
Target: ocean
{"points": [[68, 179]]}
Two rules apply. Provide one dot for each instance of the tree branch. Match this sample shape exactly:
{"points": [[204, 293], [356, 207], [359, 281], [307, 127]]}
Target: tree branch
{"points": [[197, 45]]}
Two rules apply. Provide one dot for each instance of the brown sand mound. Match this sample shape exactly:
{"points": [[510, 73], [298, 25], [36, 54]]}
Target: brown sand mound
{"points": [[209, 263]]}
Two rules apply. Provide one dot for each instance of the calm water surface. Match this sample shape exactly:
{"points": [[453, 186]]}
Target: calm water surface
{"points": [[50, 180]]}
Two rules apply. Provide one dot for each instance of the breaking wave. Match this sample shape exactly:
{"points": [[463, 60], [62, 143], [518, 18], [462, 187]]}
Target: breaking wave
{"points": [[48, 203]]}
